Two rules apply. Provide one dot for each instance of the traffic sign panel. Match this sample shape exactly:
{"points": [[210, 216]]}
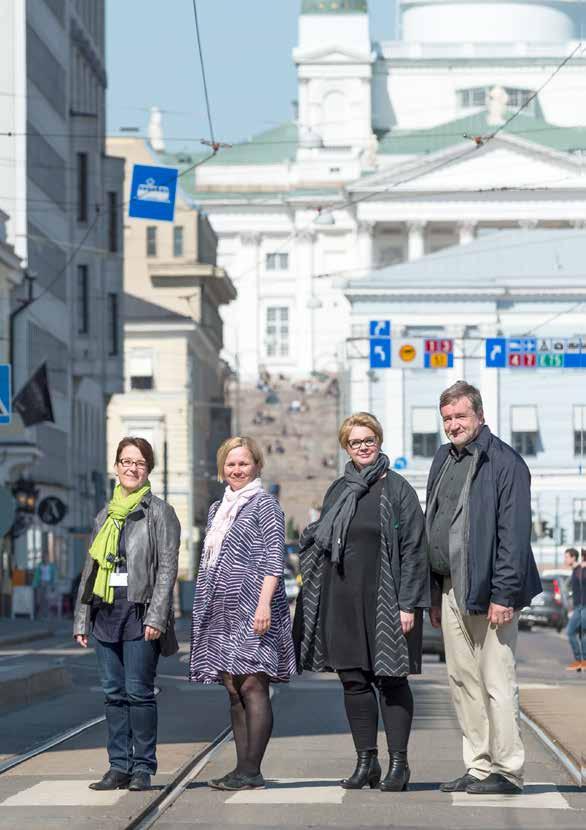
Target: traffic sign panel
{"points": [[5, 393], [496, 352], [407, 354], [380, 353], [380, 328], [152, 193]]}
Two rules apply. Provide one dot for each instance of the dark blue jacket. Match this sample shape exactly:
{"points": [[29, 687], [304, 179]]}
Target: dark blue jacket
{"points": [[501, 567]]}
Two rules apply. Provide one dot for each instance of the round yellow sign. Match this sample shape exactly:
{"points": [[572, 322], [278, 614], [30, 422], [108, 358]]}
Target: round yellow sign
{"points": [[407, 352]]}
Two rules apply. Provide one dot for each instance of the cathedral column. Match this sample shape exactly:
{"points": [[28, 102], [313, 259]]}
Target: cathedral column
{"points": [[415, 240], [306, 303], [364, 247], [466, 232], [251, 336]]}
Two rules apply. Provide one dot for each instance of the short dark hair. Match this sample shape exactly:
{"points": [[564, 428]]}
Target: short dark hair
{"points": [[461, 389], [573, 553], [142, 445]]}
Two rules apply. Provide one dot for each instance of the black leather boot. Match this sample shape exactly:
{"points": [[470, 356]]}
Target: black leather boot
{"points": [[112, 780], [367, 771], [397, 778]]}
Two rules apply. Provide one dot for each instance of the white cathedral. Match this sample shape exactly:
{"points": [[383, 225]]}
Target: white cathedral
{"points": [[399, 149], [471, 125]]}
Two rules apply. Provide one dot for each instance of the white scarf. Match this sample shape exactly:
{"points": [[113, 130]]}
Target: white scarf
{"points": [[224, 519]]}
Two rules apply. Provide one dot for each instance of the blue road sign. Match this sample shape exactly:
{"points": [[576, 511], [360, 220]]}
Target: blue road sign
{"points": [[496, 352], [5, 393], [152, 194], [400, 463], [380, 328], [380, 353]]}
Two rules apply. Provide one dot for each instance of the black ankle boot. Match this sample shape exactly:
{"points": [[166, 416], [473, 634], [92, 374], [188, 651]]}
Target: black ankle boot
{"points": [[367, 771], [397, 778]]}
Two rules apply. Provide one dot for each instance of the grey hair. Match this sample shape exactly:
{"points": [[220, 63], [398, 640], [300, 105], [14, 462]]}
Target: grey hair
{"points": [[461, 389]]}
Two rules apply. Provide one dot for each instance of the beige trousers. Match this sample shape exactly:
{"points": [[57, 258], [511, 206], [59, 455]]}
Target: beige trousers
{"points": [[480, 660]]}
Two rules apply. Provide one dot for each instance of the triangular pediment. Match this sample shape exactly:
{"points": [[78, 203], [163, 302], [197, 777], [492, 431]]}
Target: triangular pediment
{"points": [[505, 162], [332, 53]]}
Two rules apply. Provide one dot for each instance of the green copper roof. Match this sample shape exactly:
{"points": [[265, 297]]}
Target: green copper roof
{"points": [[334, 7], [530, 128]]}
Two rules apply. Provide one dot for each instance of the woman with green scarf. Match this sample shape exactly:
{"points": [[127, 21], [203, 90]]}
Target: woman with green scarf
{"points": [[125, 602]]}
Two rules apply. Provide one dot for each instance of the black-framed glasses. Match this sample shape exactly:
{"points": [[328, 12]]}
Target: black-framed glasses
{"points": [[356, 443], [127, 463]]}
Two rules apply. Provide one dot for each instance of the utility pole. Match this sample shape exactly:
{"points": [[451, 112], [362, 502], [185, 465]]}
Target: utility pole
{"points": [[24, 304]]}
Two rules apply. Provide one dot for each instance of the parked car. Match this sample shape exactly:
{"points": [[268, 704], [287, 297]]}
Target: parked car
{"points": [[550, 608], [433, 640]]}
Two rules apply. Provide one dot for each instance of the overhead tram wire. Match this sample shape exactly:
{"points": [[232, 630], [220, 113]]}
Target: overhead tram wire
{"points": [[204, 79]]}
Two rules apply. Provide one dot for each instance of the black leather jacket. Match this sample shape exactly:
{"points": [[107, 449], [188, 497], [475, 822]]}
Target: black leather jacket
{"points": [[153, 535]]}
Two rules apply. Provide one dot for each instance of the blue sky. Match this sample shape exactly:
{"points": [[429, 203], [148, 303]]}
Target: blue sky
{"points": [[152, 60]]}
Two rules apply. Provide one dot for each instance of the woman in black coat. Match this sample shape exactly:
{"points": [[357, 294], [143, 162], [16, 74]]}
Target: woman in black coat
{"points": [[365, 582]]}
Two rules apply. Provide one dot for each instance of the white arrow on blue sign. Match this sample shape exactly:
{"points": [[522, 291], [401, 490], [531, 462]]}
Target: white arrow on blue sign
{"points": [[496, 352], [380, 328], [380, 353], [152, 193], [5, 393]]}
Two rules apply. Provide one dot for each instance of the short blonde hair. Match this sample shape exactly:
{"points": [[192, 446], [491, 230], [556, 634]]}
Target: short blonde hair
{"points": [[359, 419], [232, 444]]}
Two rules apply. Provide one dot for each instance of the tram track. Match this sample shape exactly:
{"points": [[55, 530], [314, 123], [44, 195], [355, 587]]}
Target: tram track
{"points": [[56, 740]]}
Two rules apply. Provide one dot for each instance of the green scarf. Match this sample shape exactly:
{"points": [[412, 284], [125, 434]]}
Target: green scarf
{"points": [[107, 538]]}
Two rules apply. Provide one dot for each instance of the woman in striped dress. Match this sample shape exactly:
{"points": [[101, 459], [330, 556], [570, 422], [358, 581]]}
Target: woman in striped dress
{"points": [[241, 634]]}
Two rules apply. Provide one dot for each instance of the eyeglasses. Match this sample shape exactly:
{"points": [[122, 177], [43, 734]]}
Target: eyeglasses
{"points": [[127, 463], [356, 443]]}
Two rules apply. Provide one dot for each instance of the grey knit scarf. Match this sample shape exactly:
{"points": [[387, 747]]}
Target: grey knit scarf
{"points": [[332, 529]]}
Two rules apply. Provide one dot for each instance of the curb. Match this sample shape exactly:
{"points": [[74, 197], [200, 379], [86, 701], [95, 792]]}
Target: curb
{"points": [[17, 639], [31, 687], [555, 748]]}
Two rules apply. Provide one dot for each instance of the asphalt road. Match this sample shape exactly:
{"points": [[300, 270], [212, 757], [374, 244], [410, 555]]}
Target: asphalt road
{"points": [[311, 749]]}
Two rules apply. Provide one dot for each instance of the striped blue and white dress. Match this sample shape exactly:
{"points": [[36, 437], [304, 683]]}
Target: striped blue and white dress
{"points": [[227, 594]]}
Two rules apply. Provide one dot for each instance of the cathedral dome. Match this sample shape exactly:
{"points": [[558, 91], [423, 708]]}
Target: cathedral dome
{"points": [[334, 7], [490, 21]]}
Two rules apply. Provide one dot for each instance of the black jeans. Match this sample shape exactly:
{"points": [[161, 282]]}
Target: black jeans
{"points": [[360, 700], [127, 674]]}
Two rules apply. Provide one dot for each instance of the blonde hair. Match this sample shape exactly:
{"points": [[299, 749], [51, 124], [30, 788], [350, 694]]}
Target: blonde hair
{"points": [[359, 419], [232, 444]]}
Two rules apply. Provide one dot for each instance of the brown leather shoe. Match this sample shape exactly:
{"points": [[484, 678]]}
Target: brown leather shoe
{"points": [[576, 665]]}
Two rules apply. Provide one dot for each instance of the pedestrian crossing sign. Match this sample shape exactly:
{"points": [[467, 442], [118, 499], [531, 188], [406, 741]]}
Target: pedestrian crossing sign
{"points": [[5, 393]]}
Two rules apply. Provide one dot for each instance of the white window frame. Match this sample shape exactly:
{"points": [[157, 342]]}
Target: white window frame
{"points": [[276, 261], [275, 323], [579, 520], [148, 358]]}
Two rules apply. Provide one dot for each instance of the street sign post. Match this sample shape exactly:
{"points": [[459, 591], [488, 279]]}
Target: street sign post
{"points": [[439, 354], [152, 193], [5, 393]]}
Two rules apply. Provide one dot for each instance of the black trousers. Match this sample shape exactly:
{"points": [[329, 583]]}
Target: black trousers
{"points": [[362, 706]]}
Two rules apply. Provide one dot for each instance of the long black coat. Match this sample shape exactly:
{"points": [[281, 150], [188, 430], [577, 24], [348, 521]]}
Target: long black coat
{"points": [[403, 583]]}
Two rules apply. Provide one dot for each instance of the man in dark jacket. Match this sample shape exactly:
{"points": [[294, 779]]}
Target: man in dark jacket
{"points": [[479, 532]]}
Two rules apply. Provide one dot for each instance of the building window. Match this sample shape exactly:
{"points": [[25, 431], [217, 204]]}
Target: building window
{"points": [[277, 262], [82, 187], [141, 369], [479, 97], [177, 240], [277, 331], [580, 521], [113, 324], [151, 240], [112, 222], [424, 431], [524, 430], [83, 320], [580, 431]]}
